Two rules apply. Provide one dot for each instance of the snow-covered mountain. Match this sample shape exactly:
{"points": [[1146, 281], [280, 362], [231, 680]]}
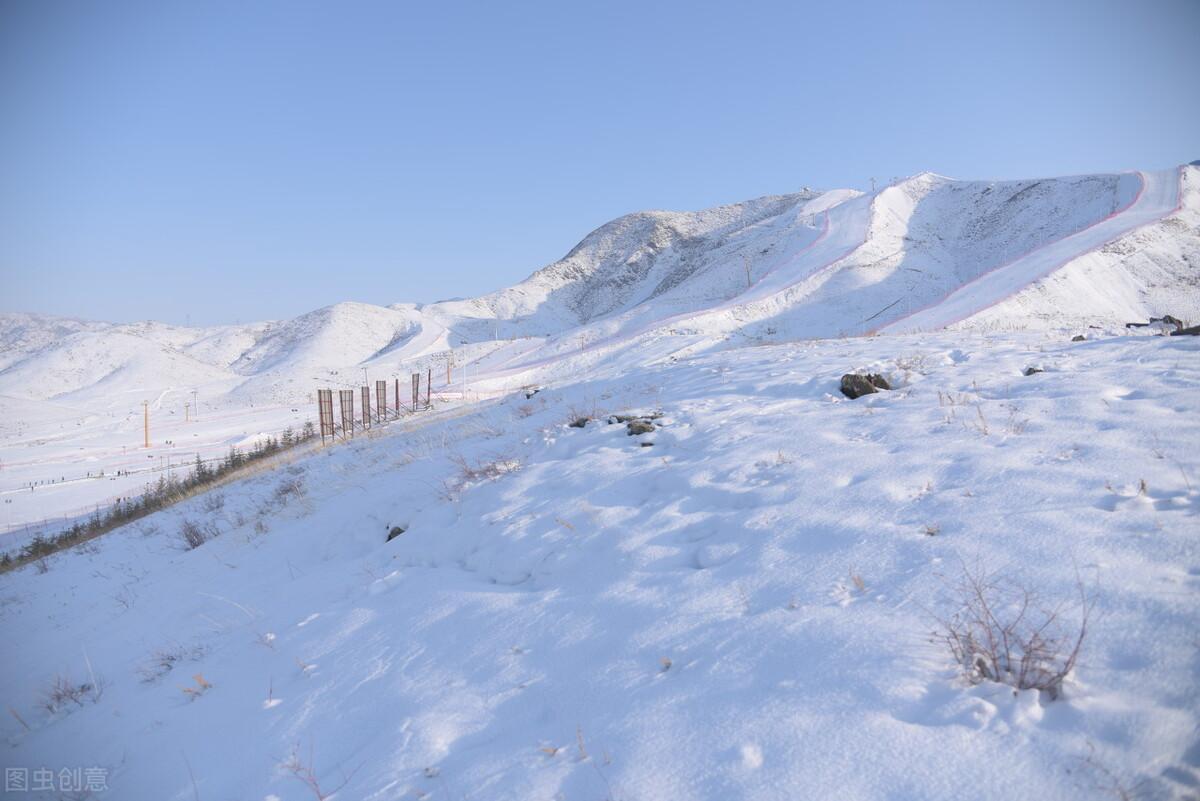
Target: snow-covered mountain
{"points": [[513, 595], [924, 253], [735, 605]]}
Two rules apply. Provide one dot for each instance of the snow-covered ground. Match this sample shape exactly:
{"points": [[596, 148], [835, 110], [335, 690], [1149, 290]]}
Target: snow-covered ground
{"points": [[742, 609], [737, 605]]}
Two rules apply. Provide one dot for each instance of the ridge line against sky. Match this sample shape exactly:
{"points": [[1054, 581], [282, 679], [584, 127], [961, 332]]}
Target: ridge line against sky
{"points": [[226, 161]]}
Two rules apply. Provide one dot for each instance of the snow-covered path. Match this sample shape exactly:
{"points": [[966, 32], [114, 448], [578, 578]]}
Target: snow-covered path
{"points": [[1159, 196]]}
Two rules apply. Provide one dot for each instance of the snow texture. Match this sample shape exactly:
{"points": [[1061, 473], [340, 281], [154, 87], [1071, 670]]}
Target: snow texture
{"points": [[737, 604]]}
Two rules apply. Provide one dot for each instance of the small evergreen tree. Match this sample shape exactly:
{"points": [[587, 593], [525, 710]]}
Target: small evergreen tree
{"points": [[200, 470]]}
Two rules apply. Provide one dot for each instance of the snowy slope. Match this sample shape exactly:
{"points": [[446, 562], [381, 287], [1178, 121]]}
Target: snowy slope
{"points": [[737, 605], [805, 265], [639, 258], [1158, 194], [739, 611], [23, 335], [927, 252], [343, 334], [105, 366], [1140, 274]]}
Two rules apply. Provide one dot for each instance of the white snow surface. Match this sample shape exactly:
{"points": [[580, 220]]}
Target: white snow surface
{"points": [[741, 610]]}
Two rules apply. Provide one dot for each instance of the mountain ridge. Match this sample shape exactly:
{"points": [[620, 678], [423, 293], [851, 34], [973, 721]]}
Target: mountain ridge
{"points": [[805, 264]]}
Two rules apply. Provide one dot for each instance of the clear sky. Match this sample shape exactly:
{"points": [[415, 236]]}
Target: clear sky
{"points": [[219, 161]]}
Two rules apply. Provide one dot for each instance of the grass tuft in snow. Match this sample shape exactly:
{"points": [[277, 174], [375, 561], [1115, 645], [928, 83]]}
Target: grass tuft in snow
{"points": [[469, 472], [64, 693], [164, 660]]}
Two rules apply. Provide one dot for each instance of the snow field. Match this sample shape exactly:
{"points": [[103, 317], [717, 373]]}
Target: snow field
{"points": [[740, 610]]}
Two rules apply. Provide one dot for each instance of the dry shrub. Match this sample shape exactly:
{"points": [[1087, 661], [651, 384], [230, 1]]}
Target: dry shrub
{"points": [[212, 503], [164, 660], [471, 472], [287, 489], [1004, 632], [580, 415], [475, 472], [63, 692], [305, 771], [194, 535]]}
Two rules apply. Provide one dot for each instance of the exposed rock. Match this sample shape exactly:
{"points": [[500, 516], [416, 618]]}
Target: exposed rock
{"points": [[634, 427], [1079, 338], [579, 422], [1032, 370], [531, 391], [1194, 331], [395, 532], [855, 386], [625, 418], [1164, 323]]}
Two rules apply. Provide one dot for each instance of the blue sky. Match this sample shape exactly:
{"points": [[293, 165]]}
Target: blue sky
{"points": [[221, 161]]}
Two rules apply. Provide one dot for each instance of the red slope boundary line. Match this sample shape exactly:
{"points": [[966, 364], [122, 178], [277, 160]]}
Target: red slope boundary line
{"points": [[1051, 270]]}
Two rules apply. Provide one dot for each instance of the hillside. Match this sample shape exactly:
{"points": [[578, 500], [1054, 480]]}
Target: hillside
{"points": [[1098, 250], [736, 605], [1083, 253], [738, 594]]}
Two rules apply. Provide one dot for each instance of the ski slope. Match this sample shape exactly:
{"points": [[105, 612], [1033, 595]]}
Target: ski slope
{"points": [[1159, 195]]}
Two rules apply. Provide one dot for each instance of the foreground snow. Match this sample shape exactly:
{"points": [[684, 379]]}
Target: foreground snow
{"points": [[741, 610]]}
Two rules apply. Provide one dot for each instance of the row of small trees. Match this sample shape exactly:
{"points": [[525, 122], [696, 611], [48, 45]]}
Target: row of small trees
{"points": [[169, 489]]}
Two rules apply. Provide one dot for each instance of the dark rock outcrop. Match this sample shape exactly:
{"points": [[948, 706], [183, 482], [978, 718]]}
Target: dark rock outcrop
{"points": [[855, 386], [1164, 322]]}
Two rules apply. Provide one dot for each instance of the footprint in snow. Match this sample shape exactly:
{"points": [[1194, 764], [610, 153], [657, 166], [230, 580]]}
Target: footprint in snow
{"points": [[1143, 497], [949, 706]]}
